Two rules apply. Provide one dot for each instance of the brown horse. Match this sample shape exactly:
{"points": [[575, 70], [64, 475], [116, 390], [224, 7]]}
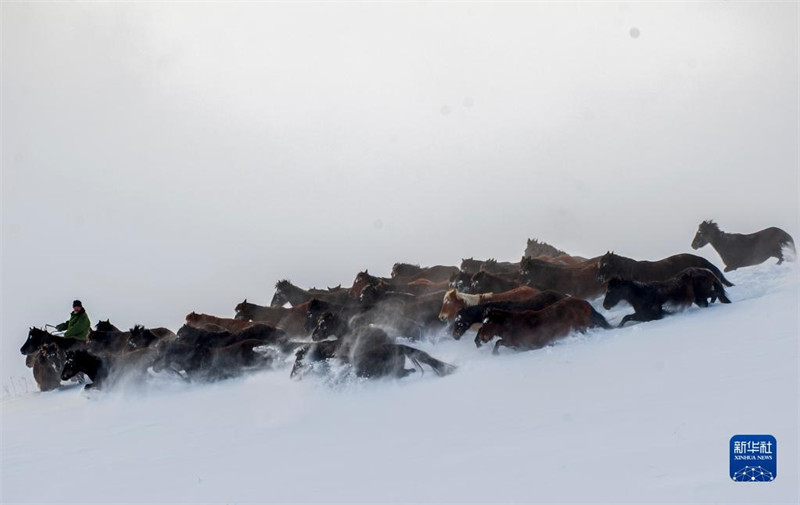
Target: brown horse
{"points": [[473, 315], [416, 287], [46, 365], [291, 320], [738, 250], [613, 265], [281, 317], [578, 280], [533, 329], [454, 300], [233, 325], [410, 272], [535, 248]]}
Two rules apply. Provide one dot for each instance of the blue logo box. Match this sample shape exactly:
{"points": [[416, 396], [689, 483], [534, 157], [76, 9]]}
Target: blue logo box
{"points": [[754, 458]]}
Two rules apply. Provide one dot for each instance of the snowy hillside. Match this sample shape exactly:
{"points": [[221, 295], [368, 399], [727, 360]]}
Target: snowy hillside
{"points": [[641, 414]]}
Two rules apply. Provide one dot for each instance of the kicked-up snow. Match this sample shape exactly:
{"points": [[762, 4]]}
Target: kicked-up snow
{"points": [[641, 414]]}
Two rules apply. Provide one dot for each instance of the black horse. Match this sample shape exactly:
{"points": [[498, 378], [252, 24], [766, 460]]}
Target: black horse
{"points": [[738, 250], [285, 292], [693, 285], [38, 337], [613, 265], [485, 282], [104, 369], [202, 362], [141, 337], [372, 354]]}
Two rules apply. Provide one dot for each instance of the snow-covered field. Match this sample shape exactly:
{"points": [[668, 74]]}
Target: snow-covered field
{"points": [[640, 414]]}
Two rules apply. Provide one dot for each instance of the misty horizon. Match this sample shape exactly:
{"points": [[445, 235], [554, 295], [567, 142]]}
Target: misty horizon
{"points": [[164, 158]]}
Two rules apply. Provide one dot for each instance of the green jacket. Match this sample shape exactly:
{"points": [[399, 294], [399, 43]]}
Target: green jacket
{"points": [[77, 326]]}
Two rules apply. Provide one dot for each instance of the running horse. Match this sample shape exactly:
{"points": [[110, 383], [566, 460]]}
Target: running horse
{"points": [[738, 250]]}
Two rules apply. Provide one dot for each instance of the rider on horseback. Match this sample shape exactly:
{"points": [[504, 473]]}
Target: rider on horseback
{"points": [[78, 324]]}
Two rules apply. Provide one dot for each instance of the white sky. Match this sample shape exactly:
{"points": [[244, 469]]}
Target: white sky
{"points": [[164, 158]]}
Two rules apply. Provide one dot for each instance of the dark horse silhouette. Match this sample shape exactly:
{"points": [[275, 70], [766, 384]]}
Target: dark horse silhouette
{"points": [[285, 292], [37, 337], [104, 369], [536, 248], [693, 285], [371, 352], [738, 250], [532, 329], [612, 265]]}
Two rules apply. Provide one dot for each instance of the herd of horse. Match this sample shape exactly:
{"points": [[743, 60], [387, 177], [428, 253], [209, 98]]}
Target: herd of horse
{"points": [[372, 325]]}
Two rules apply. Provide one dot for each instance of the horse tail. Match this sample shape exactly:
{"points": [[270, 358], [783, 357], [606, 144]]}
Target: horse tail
{"points": [[599, 320], [415, 355], [719, 292], [716, 272]]}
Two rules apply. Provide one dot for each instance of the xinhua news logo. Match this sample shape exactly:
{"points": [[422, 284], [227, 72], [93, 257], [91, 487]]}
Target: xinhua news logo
{"points": [[754, 458]]}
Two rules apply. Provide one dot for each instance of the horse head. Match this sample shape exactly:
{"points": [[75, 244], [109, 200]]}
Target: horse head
{"points": [[608, 266], [281, 296], [705, 233], [615, 293]]}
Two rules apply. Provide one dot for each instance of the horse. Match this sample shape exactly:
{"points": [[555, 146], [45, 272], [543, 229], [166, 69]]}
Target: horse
{"points": [[104, 369], [330, 324], [485, 282], [142, 337], [533, 329], [372, 354], [202, 338], [290, 319], [461, 281], [535, 248], [469, 316], [416, 287], [472, 266], [315, 308], [613, 265], [37, 337], [504, 268], [46, 367], [454, 301], [105, 326], [109, 341], [410, 272], [372, 295], [738, 250], [232, 325], [692, 285], [285, 292], [578, 280], [213, 363]]}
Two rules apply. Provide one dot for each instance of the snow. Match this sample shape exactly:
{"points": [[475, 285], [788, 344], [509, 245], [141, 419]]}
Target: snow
{"points": [[640, 414]]}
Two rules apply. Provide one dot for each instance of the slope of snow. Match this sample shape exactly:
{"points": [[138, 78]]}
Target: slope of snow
{"points": [[640, 414]]}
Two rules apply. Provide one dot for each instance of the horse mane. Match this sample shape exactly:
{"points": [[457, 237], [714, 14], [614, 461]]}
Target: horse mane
{"points": [[281, 284], [710, 224]]}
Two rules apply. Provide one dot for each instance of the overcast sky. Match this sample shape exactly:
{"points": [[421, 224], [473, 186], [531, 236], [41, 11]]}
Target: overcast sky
{"points": [[163, 158]]}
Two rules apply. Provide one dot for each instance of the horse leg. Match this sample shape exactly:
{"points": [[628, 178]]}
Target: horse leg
{"points": [[497, 346], [629, 317]]}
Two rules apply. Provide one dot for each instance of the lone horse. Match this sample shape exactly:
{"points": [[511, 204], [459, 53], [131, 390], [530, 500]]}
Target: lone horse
{"points": [[738, 250]]}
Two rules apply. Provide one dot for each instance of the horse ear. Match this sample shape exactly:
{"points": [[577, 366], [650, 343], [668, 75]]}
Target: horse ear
{"points": [[245, 300]]}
